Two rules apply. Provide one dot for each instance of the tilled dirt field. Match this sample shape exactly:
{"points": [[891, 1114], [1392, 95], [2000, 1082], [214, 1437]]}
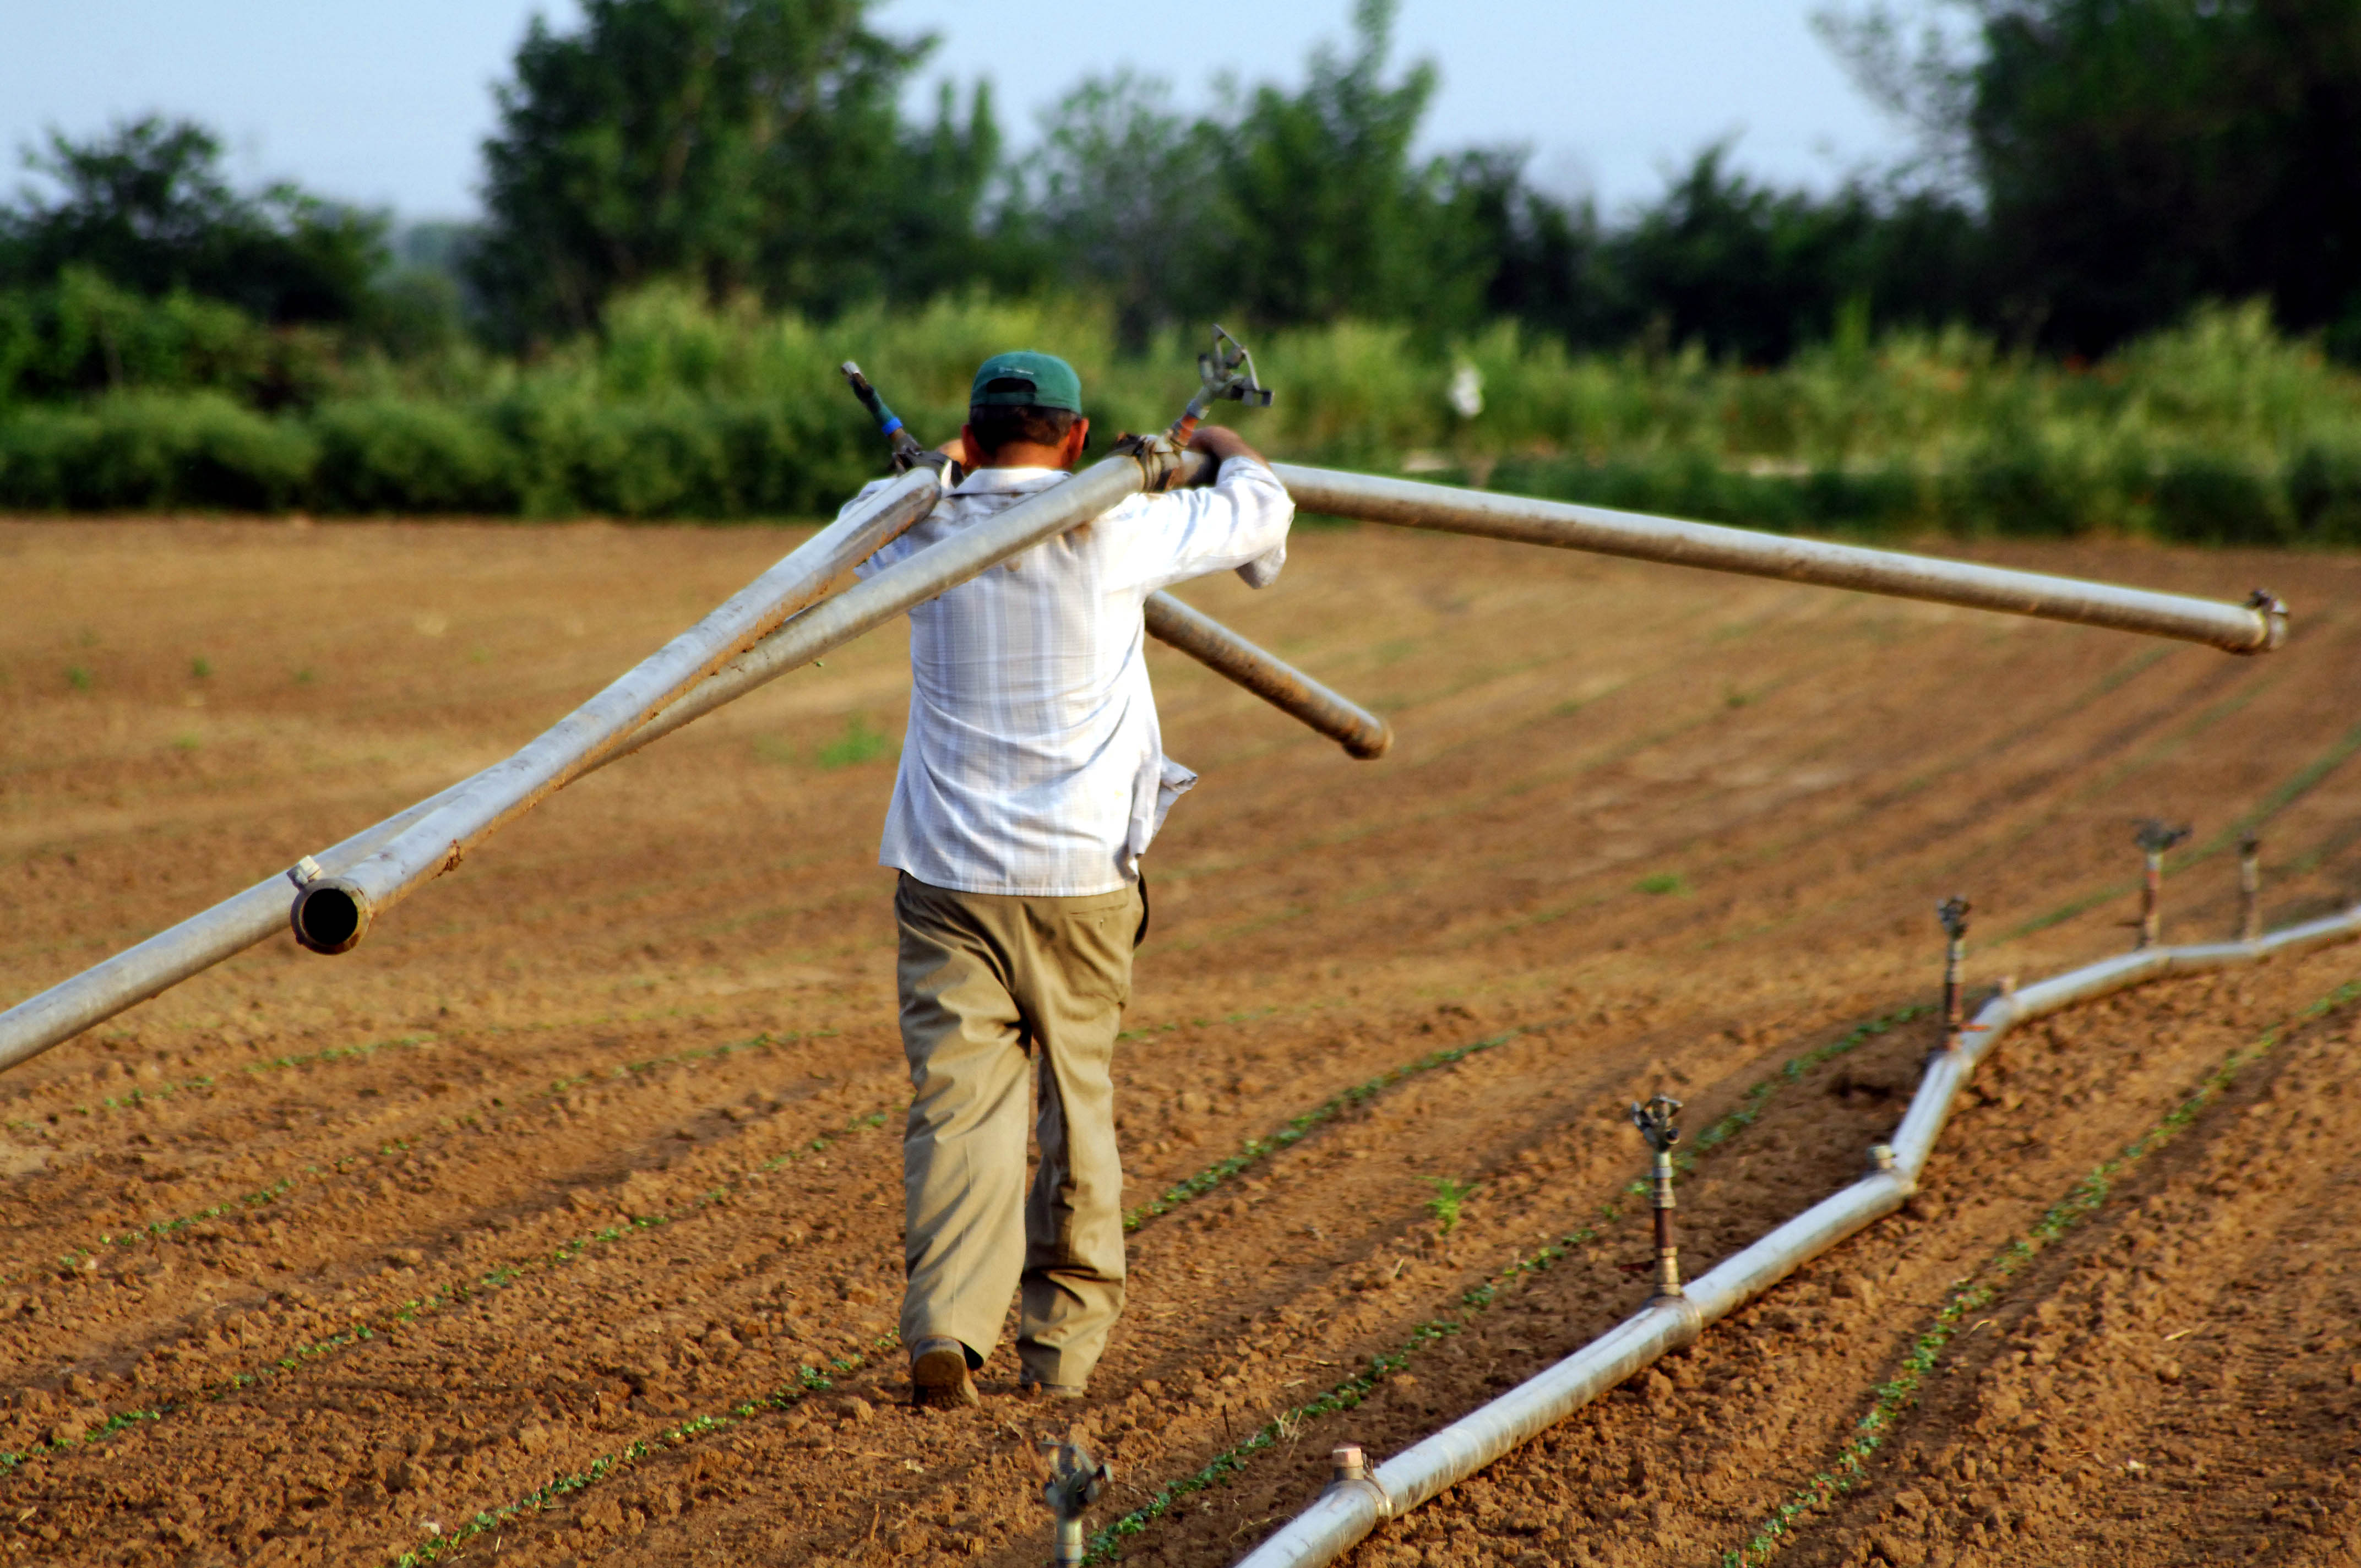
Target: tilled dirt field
{"points": [[561, 1221]]}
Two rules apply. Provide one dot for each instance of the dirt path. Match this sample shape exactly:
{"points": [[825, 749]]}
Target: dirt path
{"points": [[576, 1187]]}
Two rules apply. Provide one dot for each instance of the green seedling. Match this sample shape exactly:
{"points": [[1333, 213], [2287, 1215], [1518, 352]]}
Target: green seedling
{"points": [[201, 667], [305, 677], [860, 743], [1449, 1194], [1659, 884], [186, 742], [78, 678]]}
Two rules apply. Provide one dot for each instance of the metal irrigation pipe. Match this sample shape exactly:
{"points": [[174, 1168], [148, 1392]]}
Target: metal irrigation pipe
{"points": [[1353, 1506], [230, 927], [333, 911], [238, 923], [235, 924], [1270, 677], [2255, 626]]}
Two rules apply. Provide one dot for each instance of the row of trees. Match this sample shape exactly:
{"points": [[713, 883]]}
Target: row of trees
{"points": [[2090, 169]]}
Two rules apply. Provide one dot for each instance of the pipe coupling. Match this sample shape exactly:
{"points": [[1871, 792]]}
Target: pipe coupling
{"points": [[1160, 459], [2272, 611], [1370, 1486], [330, 915]]}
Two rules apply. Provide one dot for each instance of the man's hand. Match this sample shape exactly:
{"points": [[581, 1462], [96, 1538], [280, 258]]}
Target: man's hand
{"points": [[1221, 443]]}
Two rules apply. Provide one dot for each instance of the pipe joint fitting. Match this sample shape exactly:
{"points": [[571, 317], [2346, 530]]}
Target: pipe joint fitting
{"points": [[2272, 611], [1380, 1500], [1160, 458], [330, 915]]}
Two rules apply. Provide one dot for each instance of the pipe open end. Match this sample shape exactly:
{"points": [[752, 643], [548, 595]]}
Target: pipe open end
{"points": [[330, 916], [1368, 748]]}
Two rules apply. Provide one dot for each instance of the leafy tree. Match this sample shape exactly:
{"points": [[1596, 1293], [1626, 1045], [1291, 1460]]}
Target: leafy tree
{"points": [[1323, 213], [2138, 155], [1540, 261], [748, 145], [146, 207], [1755, 273], [1119, 198]]}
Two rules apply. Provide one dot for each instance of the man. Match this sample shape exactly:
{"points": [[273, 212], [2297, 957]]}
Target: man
{"points": [[1033, 777]]}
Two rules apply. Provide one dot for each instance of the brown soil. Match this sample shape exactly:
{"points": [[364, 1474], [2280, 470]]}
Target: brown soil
{"points": [[574, 1185]]}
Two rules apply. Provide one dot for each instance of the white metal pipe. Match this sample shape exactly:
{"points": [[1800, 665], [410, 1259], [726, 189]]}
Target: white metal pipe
{"points": [[1349, 1511], [169, 957], [331, 914], [911, 580], [238, 923], [1746, 1273], [1422, 1471], [2254, 628], [1360, 732]]}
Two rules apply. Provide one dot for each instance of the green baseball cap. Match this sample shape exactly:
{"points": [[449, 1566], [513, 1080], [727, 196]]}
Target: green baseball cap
{"points": [[1026, 379]]}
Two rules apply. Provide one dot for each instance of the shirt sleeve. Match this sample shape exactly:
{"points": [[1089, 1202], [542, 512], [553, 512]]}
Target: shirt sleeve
{"points": [[1241, 517], [887, 553]]}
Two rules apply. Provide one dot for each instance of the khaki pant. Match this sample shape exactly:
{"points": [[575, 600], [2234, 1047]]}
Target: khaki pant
{"points": [[988, 981]]}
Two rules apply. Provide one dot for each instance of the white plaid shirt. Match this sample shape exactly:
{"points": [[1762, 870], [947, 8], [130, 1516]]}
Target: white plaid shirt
{"points": [[1033, 762]]}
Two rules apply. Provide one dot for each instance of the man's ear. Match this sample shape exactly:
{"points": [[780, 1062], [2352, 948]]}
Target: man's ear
{"points": [[971, 459], [1078, 435]]}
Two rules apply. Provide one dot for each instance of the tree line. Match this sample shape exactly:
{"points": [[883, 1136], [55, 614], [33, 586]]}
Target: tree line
{"points": [[2088, 170]]}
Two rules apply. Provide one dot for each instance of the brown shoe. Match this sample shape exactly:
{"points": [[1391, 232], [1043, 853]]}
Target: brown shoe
{"points": [[1027, 1388], [939, 1378]]}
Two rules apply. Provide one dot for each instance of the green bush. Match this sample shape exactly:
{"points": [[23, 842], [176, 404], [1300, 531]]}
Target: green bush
{"points": [[2220, 432], [391, 454], [152, 450]]}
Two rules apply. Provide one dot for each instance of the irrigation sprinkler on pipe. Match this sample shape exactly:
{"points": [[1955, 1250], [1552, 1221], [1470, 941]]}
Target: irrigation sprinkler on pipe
{"points": [[1343, 1516], [2250, 887], [1655, 1121], [1953, 913], [1227, 373], [907, 453], [2154, 838], [1075, 1481]]}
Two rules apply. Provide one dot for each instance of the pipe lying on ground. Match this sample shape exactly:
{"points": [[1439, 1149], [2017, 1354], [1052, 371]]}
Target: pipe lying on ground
{"points": [[1350, 1509], [332, 913], [1215, 646], [2255, 626]]}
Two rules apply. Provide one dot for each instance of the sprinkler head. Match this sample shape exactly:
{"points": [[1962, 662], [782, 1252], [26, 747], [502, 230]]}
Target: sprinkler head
{"points": [[1953, 913], [1655, 1121], [1076, 1479], [2155, 837]]}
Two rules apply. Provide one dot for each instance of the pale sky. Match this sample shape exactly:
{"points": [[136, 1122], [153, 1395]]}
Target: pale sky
{"points": [[385, 103]]}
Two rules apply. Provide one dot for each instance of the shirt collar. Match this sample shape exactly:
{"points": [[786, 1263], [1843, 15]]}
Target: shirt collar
{"points": [[990, 481]]}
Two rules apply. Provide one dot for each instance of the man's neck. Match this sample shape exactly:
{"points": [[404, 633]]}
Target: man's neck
{"points": [[1025, 455]]}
